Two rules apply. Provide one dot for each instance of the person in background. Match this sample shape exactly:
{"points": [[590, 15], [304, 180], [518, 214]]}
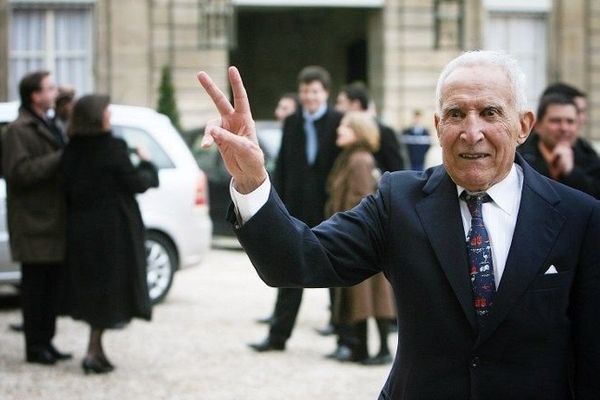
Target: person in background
{"points": [[354, 176], [495, 268], [417, 140], [579, 98], [64, 105], [106, 258], [355, 97], [306, 156], [556, 151], [32, 147], [286, 106]]}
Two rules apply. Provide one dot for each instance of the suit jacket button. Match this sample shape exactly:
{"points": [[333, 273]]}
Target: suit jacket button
{"points": [[475, 362]]}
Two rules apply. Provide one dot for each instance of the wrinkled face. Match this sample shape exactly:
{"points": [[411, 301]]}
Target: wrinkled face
{"points": [[45, 98], [559, 125], [285, 107], [345, 135], [312, 95], [479, 127]]}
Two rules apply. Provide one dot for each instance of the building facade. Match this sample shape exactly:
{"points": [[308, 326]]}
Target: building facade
{"points": [[397, 47]]}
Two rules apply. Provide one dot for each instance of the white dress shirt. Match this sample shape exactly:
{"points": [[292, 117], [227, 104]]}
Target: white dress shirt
{"points": [[499, 215]]}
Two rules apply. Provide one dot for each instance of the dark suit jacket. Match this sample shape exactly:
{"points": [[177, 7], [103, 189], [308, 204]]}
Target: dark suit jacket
{"points": [[542, 336], [302, 186]]}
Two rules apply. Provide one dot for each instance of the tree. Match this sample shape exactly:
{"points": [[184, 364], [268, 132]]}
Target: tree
{"points": [[166, 97]]}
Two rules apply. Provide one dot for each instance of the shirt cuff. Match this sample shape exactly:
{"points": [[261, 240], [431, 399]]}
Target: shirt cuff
{"points": [[246, 205]]}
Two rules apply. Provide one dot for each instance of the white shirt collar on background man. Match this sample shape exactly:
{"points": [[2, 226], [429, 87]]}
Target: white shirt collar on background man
{"points": [[499, 216]]}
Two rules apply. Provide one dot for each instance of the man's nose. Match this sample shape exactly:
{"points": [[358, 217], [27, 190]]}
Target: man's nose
{"points": [[472, 129]]}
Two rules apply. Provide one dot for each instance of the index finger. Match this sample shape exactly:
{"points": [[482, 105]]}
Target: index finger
{"points": [[219, 99], [240, 97]]}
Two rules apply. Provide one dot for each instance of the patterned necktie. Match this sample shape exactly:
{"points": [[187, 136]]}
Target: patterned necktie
{"points": [[479, 251], [311, 140]]}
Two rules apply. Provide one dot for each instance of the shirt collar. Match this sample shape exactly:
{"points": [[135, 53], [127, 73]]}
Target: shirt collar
{"points": [[505, 192], [318, 114]]}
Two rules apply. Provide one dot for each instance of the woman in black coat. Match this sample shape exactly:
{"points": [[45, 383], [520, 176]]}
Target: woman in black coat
{"points": [[106, 260]]}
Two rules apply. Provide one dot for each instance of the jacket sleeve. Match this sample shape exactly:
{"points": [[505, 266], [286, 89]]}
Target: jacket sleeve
{"points": [[20, 166], [133, 179], [342, 251]]}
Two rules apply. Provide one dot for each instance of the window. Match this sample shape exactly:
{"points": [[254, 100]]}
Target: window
{"points": [[449, 16], [57, 39], [136, 137]]}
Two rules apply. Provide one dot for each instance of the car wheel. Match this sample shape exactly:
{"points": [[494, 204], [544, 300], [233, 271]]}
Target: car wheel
{"points": [[161, 261]]}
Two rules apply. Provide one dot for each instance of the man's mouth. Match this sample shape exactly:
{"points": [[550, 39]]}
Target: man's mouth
{"points": [[473, 156]]}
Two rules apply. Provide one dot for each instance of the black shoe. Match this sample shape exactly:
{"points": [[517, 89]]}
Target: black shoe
{"points": [[380, 359], [16, 327], [341, 353], [95, 365], [267, 320], [59, 355], [328, 330], [40, 356], [267, 345]]}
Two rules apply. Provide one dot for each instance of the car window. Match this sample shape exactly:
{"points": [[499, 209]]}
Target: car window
{"points": [[136, 137]]}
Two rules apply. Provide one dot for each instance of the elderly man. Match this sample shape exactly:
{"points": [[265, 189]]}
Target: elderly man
{"points": [[495, 269]]}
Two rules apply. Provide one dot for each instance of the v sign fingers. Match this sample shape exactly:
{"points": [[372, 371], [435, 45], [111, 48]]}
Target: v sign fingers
{"points": [[238, 119], [234, 133]]}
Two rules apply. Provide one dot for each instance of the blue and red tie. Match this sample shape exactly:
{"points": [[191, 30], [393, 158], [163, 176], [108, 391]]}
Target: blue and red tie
{"points": [[479, 252]]}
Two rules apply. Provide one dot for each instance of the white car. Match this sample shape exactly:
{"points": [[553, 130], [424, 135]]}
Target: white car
{"points": [[176, 214]]}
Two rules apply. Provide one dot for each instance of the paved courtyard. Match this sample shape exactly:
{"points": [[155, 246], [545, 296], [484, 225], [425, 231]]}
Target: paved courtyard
{"points": [[196, 348]]}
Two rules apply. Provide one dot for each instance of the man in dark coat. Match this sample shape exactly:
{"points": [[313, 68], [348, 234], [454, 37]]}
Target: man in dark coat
{"points": [[31, 152], [556, 150], [417, 140], [495, 268], [391, 155], [306, 156]]}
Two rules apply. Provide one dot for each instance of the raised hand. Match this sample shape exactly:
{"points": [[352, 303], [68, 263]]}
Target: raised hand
{"points": [[235, 133]]}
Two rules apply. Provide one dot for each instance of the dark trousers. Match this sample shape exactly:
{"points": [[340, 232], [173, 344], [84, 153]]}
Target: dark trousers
{"points": [[285, 313], [39, 297]]}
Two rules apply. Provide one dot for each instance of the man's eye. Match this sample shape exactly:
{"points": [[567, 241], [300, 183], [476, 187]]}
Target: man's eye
{"points": [[453, 113], [490, 112]]}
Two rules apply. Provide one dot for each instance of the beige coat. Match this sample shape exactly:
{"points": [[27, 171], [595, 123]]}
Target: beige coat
{"points": [[35, 200], [353, 177]]}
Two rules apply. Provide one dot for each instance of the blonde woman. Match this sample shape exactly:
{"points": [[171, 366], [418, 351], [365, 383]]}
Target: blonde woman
{"points": [[354, 176]]}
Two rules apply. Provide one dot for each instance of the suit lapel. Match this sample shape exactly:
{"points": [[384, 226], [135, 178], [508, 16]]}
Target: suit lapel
{"points": [[439, 213], [538, 224]]}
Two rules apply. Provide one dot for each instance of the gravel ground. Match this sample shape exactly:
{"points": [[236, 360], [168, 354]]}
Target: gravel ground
{"points": [[196, 348]]}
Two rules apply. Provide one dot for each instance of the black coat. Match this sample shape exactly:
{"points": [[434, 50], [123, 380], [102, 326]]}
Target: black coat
{"points": [[106, 260], [389, 157], [302, 186]]}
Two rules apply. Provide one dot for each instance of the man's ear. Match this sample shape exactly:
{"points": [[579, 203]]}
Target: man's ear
{"points": [[526, 121], [436, 123]]}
